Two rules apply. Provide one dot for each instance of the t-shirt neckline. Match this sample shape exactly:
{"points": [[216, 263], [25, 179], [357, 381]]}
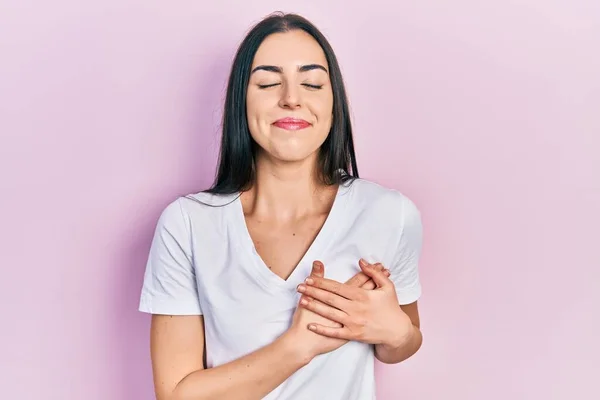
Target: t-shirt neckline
{"points": [[259, 269]]}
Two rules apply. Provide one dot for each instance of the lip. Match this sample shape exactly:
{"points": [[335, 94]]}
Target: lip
{"points": [[291, 124]]}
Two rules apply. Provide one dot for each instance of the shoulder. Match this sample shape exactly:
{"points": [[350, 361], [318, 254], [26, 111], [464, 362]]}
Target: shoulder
{"points": [[206, 202], [382, 202], [186, 211], [171, 216]]}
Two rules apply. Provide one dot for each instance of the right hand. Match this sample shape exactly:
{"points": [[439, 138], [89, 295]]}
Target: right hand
{"points": [[313, 344]]}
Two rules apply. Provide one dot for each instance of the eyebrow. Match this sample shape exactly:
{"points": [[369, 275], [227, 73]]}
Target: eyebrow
{"points": [[279, 70]]}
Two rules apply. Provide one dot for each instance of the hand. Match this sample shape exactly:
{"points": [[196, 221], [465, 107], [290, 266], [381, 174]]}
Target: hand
{"points": [[313, 343], [369, 316]]}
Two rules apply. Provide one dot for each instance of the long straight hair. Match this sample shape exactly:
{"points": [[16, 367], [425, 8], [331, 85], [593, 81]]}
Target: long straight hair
{"points": [[236, 170]]}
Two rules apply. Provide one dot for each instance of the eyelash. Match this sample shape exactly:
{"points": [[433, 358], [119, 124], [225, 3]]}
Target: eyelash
{"points": [[308, 85]]}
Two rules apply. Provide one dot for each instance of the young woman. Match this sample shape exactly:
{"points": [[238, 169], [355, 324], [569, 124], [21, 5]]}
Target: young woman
{"points": [[290, 275]]}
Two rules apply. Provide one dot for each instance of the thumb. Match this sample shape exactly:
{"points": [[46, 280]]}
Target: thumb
{"points": [[375, 273], [318, 269]]}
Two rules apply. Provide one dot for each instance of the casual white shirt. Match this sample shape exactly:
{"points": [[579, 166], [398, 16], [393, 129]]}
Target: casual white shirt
{"points": [[202, 261]]}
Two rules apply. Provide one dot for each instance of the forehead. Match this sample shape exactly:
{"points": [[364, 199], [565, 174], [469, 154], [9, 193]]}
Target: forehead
{"points": [[289, 49]]}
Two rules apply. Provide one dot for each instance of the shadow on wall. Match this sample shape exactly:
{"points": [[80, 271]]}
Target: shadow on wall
{"points": [[198, 159]]}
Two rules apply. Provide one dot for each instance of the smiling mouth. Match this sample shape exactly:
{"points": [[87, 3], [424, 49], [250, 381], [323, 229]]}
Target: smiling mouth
{"points": [[291, 124]]}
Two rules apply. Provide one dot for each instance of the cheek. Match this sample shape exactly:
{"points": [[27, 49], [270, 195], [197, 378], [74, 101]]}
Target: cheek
{"points": [[323, 105], [255, 112], [323, 109], [252, 105], [260, 105]]}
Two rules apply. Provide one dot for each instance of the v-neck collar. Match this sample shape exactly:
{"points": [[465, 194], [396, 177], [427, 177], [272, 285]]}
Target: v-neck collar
{"points": [[256, 265]]}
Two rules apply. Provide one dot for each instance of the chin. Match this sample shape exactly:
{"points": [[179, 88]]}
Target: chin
{"points": [[290, 154], [292, 157], [289, 147]]}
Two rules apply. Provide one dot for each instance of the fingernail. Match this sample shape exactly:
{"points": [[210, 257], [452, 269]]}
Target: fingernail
{"points": [[303, 302], [312, 327], [317, 266], [301, 288], [363, 263], [309, 281]]}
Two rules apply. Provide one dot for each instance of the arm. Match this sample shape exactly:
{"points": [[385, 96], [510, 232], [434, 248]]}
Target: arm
{"points": [[408, 286], [393, 353], [170, 294], [177, 346]]}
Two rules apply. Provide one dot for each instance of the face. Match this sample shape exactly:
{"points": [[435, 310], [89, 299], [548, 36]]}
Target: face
{"points": [[289, 101]]}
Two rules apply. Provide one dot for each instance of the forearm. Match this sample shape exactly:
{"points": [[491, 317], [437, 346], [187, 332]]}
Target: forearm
{"points": [[393, 354], [250, 377]]}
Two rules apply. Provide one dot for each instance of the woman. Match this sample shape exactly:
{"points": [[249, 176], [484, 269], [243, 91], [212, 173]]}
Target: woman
{"points": [[284, 280]]}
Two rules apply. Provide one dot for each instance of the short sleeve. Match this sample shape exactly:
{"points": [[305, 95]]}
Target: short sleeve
{"points": [[169, 284], [405, 270]]}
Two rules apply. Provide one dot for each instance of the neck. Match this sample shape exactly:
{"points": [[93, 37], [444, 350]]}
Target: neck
{"points": [[286, 191]]}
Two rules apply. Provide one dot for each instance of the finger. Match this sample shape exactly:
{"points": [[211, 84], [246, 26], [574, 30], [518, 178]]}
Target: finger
{"points": [[336, 287], [370, 285], [374, 273], [360, 278], [333, 324], [318, 269], [338, 333], [332, 314], [325, 296]]}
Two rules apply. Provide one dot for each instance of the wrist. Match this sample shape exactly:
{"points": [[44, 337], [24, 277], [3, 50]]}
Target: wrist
{"points": [[396, 340], [292, 348]]}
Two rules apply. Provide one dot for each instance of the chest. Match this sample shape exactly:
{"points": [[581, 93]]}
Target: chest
{"points": [[246, 306], [232, 275], [282, 246]]}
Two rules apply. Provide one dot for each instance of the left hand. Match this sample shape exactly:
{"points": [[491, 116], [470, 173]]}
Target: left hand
{"points": [[368, 316]]}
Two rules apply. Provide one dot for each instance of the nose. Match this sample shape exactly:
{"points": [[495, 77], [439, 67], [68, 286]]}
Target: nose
{"points": [[290, 97]]}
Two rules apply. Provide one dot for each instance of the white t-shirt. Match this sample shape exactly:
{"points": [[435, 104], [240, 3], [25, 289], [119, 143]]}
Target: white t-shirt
{"points": [[203, 262]]}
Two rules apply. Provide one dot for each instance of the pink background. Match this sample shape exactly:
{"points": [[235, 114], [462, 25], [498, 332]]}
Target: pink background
{"points": [[486, 114]]}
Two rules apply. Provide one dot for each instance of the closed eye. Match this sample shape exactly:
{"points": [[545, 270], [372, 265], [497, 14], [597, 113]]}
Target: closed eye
{"points": [[308, 85], [267, 86]]}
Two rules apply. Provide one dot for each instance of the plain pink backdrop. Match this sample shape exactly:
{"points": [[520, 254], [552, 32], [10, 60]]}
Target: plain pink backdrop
{"points": [[486, 114]]}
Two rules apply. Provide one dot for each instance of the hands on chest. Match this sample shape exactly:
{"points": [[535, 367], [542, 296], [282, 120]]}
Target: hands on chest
{"points": [[365, 308]]}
